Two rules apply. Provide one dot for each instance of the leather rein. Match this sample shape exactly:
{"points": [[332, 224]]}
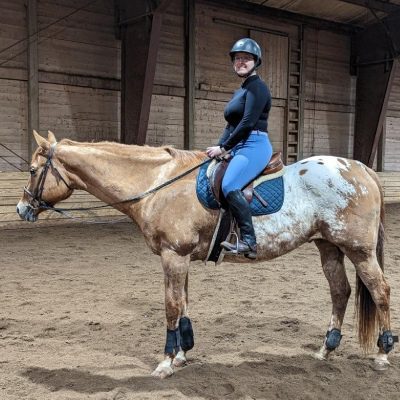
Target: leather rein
{"points": [[37, 203]]}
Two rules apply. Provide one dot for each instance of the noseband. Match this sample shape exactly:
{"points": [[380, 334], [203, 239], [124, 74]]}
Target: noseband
{"points": [[36, 196]]}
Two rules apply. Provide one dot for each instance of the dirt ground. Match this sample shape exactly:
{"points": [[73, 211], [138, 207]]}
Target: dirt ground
{"points": [[82, 317]]}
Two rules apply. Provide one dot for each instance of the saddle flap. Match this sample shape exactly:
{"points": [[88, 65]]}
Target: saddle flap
{"points": [[217, 174], [216, 177]]}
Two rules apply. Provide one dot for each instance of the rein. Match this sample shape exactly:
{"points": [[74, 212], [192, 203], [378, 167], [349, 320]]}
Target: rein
{"points": [[37, 194]]}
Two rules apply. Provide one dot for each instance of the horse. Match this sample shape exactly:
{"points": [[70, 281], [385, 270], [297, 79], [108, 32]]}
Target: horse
{"points": [[336, 203]]}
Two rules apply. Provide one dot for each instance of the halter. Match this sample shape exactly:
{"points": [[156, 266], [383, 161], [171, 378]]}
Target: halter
{"points": [[37, 202]]}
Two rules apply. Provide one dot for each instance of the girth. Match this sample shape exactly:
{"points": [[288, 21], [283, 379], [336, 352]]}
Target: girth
{"points": [[218, 172]]}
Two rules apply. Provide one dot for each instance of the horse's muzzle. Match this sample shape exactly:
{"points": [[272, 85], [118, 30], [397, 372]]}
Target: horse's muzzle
{"points": [[26, 212]]}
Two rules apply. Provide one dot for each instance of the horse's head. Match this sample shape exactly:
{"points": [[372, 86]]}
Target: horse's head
{"points": [[48, 183]]}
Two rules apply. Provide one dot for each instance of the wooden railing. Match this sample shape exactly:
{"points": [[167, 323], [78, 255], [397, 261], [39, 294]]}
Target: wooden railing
{"points": [[11, 184]]}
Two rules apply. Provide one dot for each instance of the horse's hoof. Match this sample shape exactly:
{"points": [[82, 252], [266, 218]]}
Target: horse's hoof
{"points": [[179, 361], [381, 365], [163, 372], [319, 356], [322, 354]]}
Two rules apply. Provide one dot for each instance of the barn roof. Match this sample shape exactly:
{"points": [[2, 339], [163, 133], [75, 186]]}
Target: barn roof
{"points": [[354, 12]]}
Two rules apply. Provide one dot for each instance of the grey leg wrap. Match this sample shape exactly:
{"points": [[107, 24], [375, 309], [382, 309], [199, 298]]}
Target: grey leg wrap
{"points": [[333, 338], [386, 341], [186, 331], [173, 342]]}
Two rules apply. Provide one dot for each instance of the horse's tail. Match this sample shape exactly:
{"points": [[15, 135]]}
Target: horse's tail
{"points": [[365, 306]]}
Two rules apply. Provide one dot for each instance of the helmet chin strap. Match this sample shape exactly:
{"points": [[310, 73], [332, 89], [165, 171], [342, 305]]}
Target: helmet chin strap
{"points": [[248, 74]]}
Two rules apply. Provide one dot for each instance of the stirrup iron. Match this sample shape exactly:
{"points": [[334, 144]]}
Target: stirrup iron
{"points": [[228, 241]]}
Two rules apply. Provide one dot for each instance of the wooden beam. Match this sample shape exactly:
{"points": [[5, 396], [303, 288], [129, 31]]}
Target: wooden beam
{"points": [[376, 5], [189, 73], [140, 32], [378, 44], [374, 84], [380, 160], [375, 50], [276, 13], [382, 114], [33, 73]]}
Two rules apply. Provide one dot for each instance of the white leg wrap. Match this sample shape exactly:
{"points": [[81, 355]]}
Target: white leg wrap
{"points": [[322, 354], [180, 359], [381, 362], [164, 369]]}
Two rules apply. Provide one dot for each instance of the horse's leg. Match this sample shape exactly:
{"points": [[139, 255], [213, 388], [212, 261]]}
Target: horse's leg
{"points": [[333, 266], [373, 304], [180, 358], [179, 331]]}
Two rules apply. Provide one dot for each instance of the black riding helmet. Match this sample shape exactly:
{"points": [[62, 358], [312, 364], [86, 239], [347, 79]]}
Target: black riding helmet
{"points": [[247, 45]]}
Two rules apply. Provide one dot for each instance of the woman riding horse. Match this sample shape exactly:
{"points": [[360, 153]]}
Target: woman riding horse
{"points": [[247, 138]]}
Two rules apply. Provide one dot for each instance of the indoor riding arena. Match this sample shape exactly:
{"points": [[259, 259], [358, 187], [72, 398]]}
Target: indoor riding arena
{"points": [[83, 311]]}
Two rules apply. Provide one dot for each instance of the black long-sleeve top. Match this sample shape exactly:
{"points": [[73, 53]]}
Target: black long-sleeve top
{"points": [[248, 110]]}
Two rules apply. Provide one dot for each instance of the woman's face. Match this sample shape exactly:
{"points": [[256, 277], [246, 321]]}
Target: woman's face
{"points": [[243, 63]]}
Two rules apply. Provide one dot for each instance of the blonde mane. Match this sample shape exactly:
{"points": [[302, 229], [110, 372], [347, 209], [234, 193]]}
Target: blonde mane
{"points": [[184, 157]]}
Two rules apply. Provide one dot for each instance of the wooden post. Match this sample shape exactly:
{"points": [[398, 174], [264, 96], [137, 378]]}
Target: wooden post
{"points": [[33, 73], [375, 52], [189, 73], [141, 30], [380, 162], [382, 114]]}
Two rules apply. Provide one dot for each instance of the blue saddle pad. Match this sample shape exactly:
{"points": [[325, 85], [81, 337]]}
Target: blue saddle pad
{"points": [[272, 191]]}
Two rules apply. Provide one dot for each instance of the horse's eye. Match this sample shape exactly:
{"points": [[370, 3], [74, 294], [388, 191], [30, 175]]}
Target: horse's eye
{"points": [[32, 171]]}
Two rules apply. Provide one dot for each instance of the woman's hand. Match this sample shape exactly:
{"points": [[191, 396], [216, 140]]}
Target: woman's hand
{"points": [[214, 151]]}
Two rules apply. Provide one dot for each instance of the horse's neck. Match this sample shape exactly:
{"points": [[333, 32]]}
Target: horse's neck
{"points": [[114, 173]]}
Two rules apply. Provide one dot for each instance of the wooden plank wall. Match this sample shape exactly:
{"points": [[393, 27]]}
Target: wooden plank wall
{"points": [[392, 141], [329, 95], [391, 186], [216, 31], [13, 87], [329, 88], [84, 102], [166, 119], [79, 74]]}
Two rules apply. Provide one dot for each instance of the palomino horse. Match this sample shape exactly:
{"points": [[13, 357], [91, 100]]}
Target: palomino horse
{"points": [[335, 202]]}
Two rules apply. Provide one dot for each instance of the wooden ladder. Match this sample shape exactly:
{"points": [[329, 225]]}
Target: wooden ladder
{"points": [[294, 126]]}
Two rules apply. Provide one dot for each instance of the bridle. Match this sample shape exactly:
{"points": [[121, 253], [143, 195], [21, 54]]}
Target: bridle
{"points": [[37, 202]]}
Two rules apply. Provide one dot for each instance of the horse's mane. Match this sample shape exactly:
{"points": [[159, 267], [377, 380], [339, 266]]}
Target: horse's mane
{"points": [[185, 156], [181, 156]]}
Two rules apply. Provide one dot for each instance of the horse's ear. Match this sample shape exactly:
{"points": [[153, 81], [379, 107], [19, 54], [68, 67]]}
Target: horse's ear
{"points": [[41, 141], [51, 137]]}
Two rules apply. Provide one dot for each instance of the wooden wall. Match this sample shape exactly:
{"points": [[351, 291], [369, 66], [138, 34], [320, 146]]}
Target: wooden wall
{"points": [[329, 95], [79, 78], [166, 120], [392, 141], [13, 87], [329, 90], [216, 31], [79, 72]]}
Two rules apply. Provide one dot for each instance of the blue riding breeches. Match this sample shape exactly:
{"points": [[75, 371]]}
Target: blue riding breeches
{"points": [[249, 159]]}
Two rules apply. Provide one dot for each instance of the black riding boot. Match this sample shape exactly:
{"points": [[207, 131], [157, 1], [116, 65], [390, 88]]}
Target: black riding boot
{"points": [[240, 210]]}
